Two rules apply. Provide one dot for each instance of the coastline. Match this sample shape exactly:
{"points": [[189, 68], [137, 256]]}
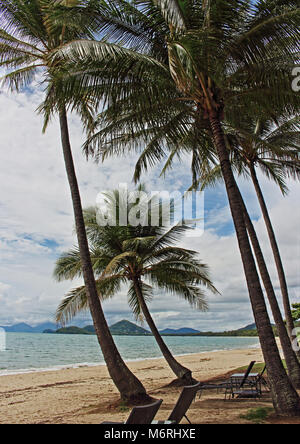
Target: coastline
{"points": [[87, 395], [99, 364]]}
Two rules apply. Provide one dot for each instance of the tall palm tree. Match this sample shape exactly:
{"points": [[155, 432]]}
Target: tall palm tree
{"points": [[143, 257], [272, 145], [217, 57], [277, 160], [29, 31]]}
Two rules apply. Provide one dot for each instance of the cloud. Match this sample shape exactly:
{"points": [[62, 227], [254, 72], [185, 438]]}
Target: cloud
{"points": [[36, 225]]}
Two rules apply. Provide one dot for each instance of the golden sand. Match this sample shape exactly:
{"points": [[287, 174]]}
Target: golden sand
{"points": [[87, 394]]}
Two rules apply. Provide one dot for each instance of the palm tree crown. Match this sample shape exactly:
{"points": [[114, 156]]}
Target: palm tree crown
{"points": [[128, 254]]}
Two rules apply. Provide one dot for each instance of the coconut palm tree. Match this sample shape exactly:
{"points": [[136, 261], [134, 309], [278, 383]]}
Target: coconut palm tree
{"points": [[274, 149], [272, 145], [143, 257], [29, 31], [277, 160], [217, 57]]}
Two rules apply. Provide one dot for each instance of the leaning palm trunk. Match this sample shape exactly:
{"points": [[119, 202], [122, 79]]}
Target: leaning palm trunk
{"points": [[181, 372], [285, 398], [277, 257], [289, 354], [129, 386]]}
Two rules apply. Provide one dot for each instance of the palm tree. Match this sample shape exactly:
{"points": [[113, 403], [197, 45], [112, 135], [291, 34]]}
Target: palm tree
{"points": [[29, 32], [277, 160], [287, 346], [274, 149], [141, 256], [217, 58]]}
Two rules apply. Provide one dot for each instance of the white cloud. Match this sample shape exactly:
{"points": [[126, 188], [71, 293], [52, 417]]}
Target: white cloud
{"points": [[37, 224]]}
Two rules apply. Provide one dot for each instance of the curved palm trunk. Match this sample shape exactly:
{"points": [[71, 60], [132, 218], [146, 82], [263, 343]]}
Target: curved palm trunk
{"points": [[277, 257], [181, 372], [289, 354], [285, 398], [129, 386]]}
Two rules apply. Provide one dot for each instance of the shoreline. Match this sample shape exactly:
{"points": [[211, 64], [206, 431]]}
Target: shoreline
{"points": [[13, 372], [87, 394]]}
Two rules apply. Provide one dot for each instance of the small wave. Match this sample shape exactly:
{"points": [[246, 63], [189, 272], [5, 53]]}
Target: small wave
{"points": [[8, 372]]}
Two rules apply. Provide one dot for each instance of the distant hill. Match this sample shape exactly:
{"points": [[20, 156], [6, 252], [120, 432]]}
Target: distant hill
{"points": [[128, 328], [124, 328], [41, 327], [25, 328], [179, 331], [251, 327], [89, 329], [72, 331], [22, 328], [248, 327]]}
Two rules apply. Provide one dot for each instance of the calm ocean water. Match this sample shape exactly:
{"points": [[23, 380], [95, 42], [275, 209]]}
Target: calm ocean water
{"points": [[30, 352]]}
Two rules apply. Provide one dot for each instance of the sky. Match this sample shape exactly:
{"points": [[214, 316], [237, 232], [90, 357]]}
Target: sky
{"points": [[36, 226]]}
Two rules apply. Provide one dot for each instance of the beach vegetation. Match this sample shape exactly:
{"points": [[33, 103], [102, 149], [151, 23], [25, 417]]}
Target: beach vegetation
{"points": [[258, 415]]}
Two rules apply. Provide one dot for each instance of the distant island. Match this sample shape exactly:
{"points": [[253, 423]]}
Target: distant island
{"points": [[25, 328], [121, 328], [127, 328]]}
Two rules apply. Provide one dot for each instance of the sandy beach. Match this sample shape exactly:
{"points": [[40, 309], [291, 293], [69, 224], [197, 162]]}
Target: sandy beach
{"points": [[87, 395]]}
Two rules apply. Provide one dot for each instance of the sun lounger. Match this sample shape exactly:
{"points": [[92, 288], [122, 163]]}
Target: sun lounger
{"points": [[141, 414], [257, 378], [244, 387], [229, 384], [182, 405]]}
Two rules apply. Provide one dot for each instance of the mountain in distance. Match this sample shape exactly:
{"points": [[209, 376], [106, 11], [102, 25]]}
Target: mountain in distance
{"points": [[19, 328], [25, 328], [179, 331], [128, 328], [125, 328], [122, 328], [248, 327], [41, 327], [70, 331]]}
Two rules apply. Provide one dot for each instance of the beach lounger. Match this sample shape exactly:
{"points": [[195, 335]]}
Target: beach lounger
{"points": [[182, 405], [141, 414], [244, 387], [237, 378], [252, 377], [229, 384]]}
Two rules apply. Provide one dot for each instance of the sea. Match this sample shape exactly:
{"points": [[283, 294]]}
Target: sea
{"points": [[31, 352]]}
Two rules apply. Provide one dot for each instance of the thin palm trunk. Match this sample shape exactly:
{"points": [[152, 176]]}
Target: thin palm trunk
{"points": [[277, 257], [285, 398], [289, 354], [181, 372], [129, 386]]}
